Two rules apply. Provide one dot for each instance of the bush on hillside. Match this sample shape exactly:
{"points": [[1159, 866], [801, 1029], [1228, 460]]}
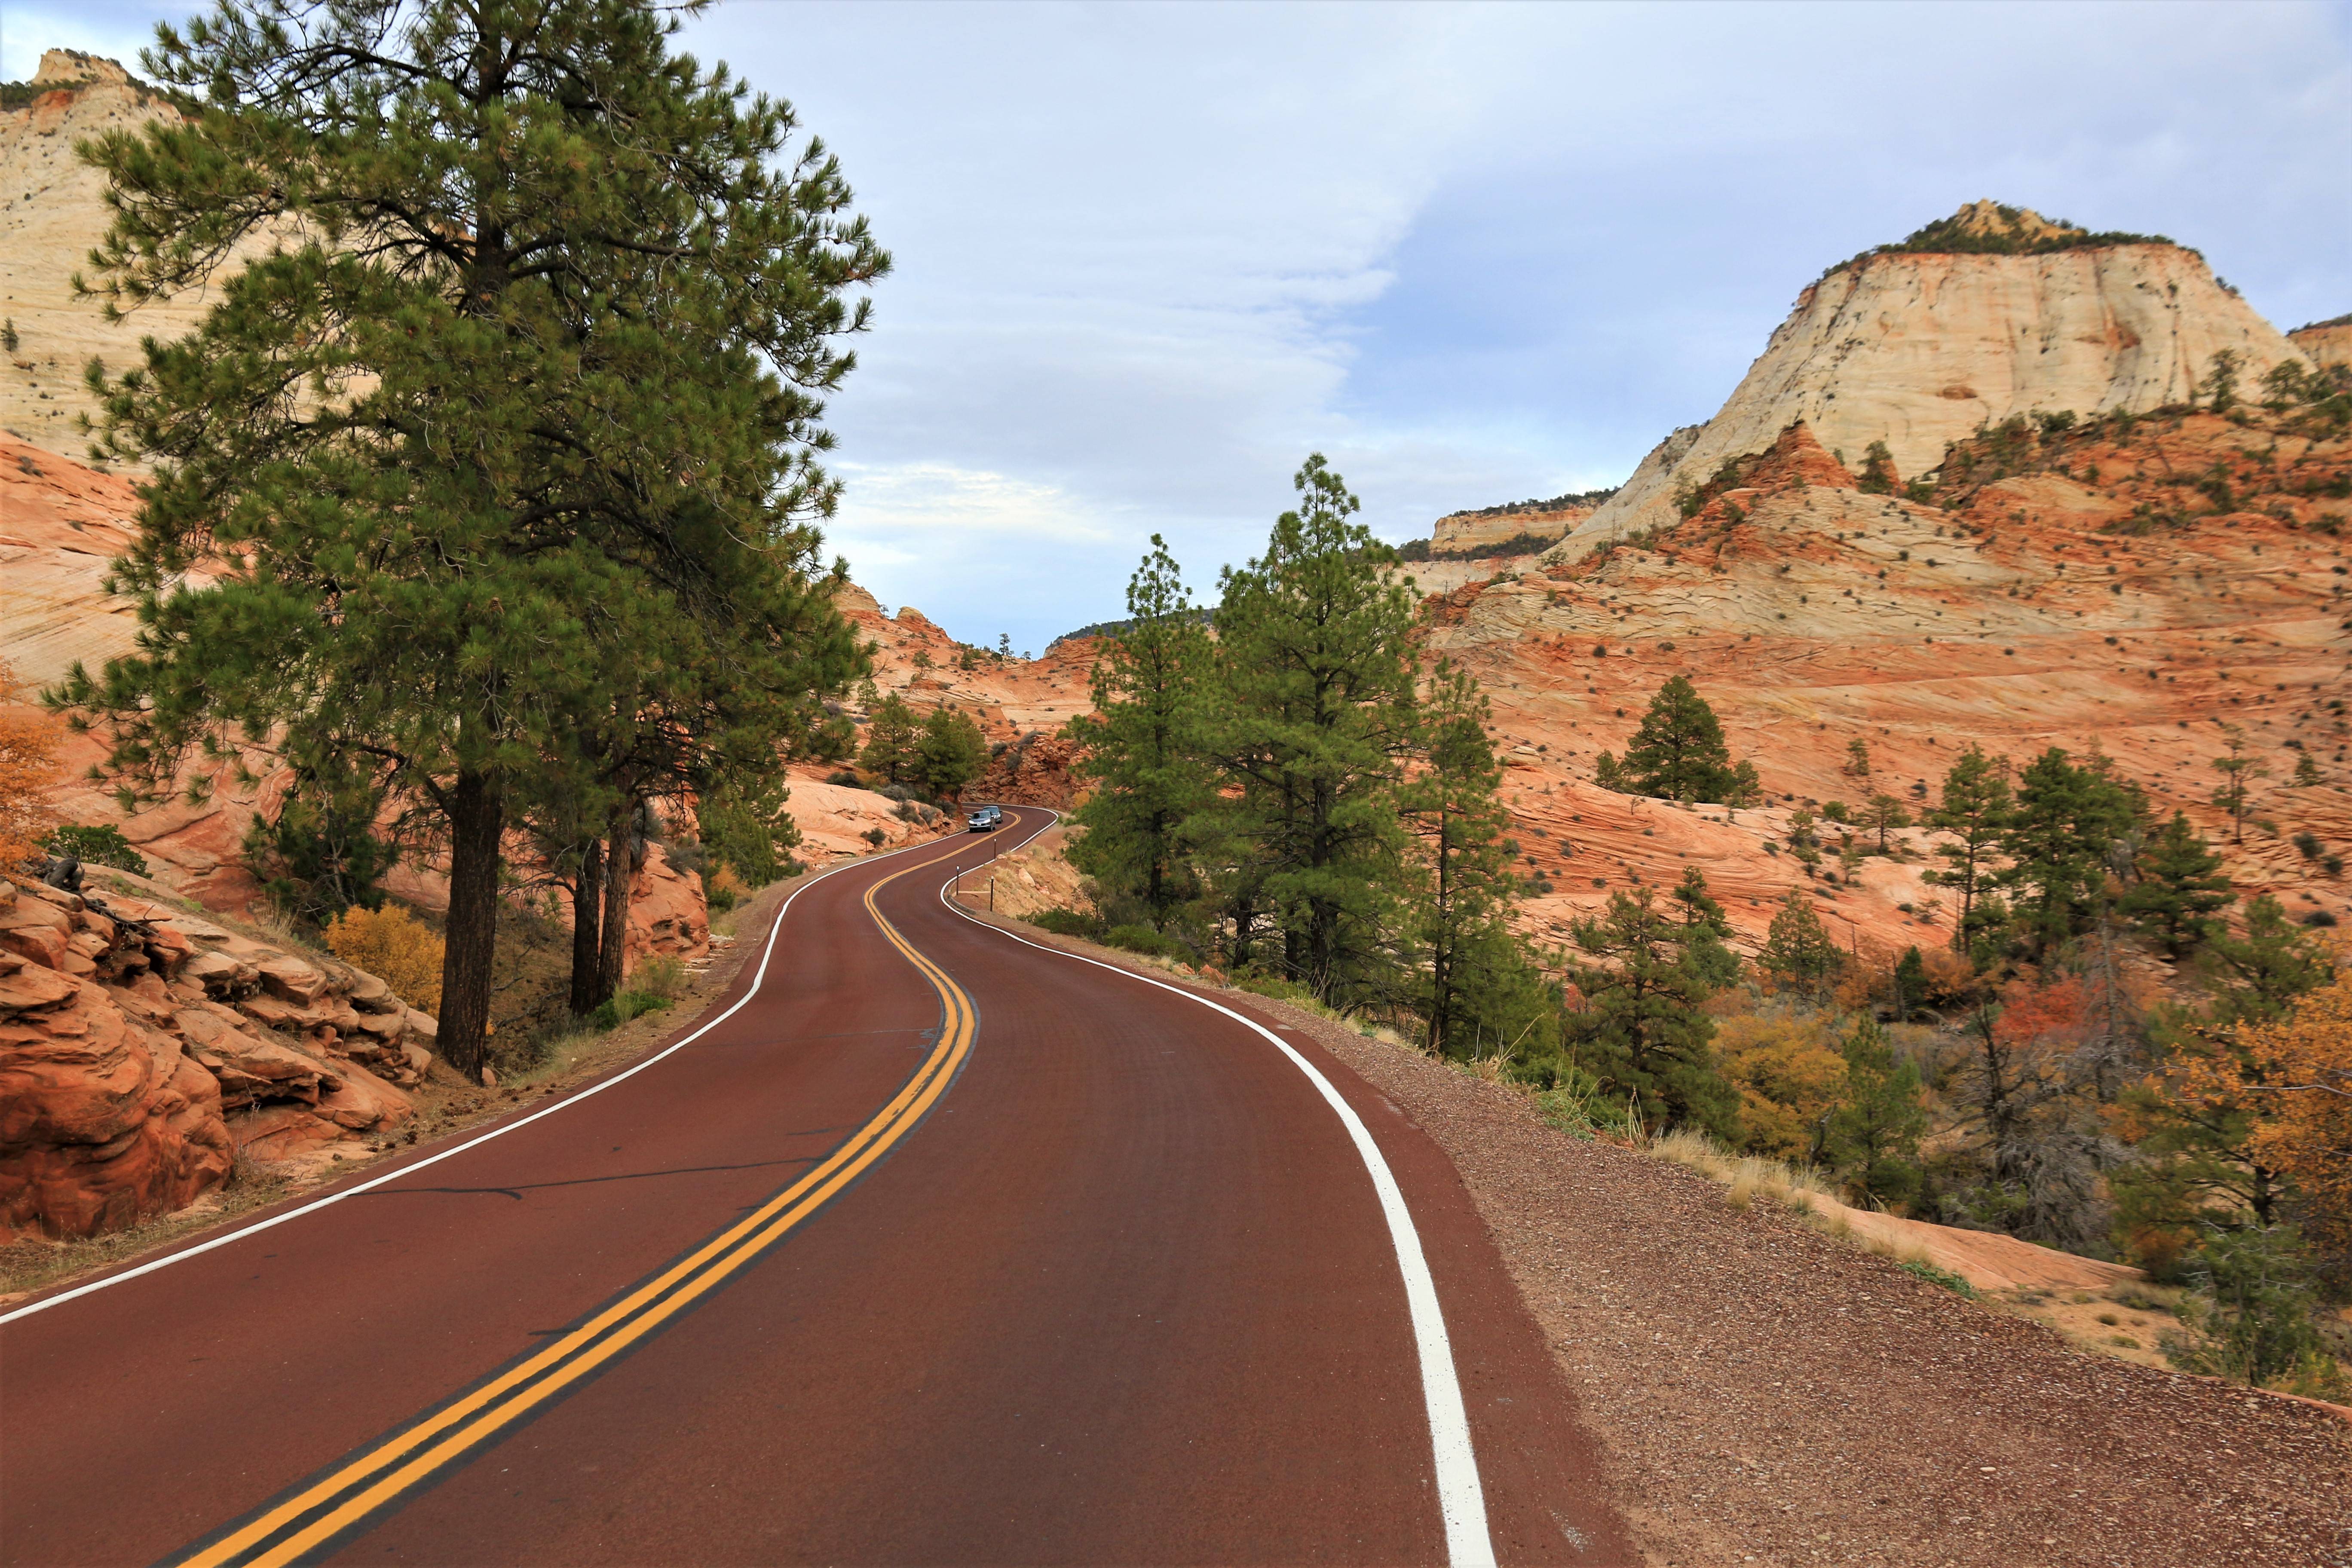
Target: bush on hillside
{"points": [[100, 846], [391, 944]]}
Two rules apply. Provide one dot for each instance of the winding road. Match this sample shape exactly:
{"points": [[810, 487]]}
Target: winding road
{"points": [[927, 1245]]}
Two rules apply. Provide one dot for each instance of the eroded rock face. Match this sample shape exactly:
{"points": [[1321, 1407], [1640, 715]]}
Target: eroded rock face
{"points": [[2325, 343], [1917, 351], [56, 213], [142, 1047], [2123, 593]]}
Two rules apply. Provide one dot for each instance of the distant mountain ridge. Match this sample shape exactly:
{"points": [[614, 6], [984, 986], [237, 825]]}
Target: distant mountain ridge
{"points": [[1993, 312]]}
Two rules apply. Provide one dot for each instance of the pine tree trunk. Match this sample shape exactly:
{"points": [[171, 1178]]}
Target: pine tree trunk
{"points": [[620, 864], [477, 819], [587, 921]]}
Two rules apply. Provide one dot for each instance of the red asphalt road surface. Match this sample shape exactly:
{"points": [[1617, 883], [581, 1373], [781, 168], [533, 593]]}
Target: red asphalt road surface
{"points": [[1126, 1294]]}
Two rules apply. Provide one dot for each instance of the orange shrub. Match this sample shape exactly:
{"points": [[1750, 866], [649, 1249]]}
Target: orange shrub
{"points": [[390, 944]]}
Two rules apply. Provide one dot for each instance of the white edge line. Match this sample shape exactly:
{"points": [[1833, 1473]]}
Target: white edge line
{"points": [[758, 979], [1461, 1496]]}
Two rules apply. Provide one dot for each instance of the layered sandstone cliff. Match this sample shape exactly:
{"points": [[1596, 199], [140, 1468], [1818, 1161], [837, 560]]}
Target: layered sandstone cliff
{"points": [[1917, 349], [52, 212], [2137, 590], [1458, 532]]}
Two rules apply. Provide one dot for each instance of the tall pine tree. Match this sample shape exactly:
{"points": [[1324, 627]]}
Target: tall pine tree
{"points": [[1678, 753], [1975, 811], [2180, 888], [2058, 837], [1467, 890], [1643, 1029], [1314, 721], [1143, 744], [544, 324]]}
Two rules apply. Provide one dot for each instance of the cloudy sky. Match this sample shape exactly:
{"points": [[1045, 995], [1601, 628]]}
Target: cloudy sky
{"points": [[1149, 256]]}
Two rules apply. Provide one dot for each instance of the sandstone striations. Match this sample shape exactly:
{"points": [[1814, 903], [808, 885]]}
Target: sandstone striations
{"points": [[52, 213], [1919, 347], [1459, 533]]}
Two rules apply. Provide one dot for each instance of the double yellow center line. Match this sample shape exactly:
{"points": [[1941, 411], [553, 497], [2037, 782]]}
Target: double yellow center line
{"points": [[316, 1514]]}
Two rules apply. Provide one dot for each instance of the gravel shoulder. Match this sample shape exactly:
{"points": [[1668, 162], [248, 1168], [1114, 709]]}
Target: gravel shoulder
{"points": [[1764, 1393]]}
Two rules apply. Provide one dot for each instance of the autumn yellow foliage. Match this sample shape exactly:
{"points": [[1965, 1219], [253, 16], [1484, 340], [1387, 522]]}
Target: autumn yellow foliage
{"points": [[28, 766], [1789, 1073], [390, 944], [2302, 1103]]}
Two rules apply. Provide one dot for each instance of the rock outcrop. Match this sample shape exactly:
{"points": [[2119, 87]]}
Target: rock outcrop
{"points": [[1462, 531], [1918, 348], [2328, 343], [2128, 588], [142, 1048]]}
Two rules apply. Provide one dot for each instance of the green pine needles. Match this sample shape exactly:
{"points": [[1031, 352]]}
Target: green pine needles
{"points": [[1289, 786], [1679, 753], [495, 468]]}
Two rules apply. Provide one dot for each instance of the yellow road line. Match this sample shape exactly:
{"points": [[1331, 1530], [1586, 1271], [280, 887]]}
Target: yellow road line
{"points": [[448, 1432]]}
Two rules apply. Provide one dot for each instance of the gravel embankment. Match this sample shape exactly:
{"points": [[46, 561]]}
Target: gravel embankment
{"points": [[1769, 1394]]}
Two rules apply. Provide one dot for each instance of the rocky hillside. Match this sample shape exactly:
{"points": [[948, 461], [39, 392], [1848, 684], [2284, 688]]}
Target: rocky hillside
{"points": [[2130, 585], [1460, 532], [1920, 346], [1020, 704]]}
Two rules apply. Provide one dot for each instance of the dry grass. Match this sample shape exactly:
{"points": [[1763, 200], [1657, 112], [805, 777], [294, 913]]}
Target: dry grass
{"points": [[1798, 1188]]}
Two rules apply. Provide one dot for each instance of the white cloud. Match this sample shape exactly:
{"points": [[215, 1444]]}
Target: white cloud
{"points": [[929, 497], [1149, 256]]}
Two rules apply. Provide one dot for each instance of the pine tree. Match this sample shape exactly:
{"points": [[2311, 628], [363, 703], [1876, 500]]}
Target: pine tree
{"points": [[1679, 753], [1884, 814], [1799, 950], [1478, 983], [1608, 772], [561, 309], [1873, 1134], [1975, 811], [1699, 906], [893, 741], [1910, 984], [1142, 744], [2255, 974], [1878, 476], [1313, 722], [2180, 890], [2307, 772], [1643, 1029], [2193, 1124], [2235, 792], [1857, 758], [2058, 838], [950, 754]]}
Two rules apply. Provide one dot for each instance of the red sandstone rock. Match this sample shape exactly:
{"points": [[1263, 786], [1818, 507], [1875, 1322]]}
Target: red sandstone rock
{"points": [[134, 1066]]}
